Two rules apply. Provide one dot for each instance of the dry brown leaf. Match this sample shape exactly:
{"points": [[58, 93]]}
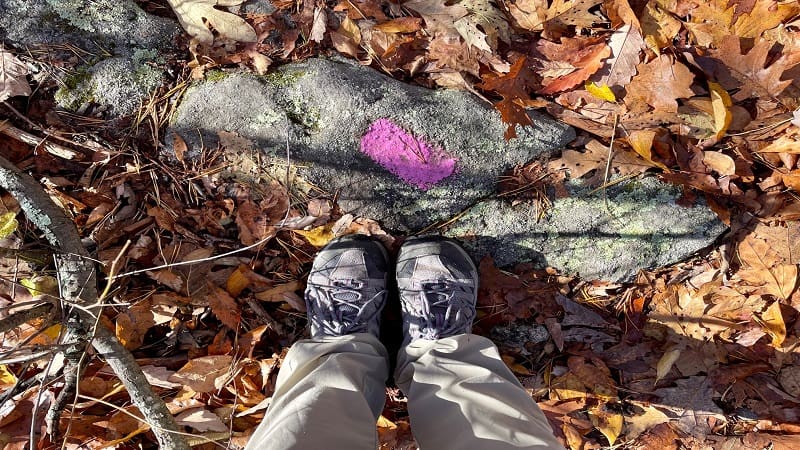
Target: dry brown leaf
{"points": [[719, 162], [201, 420], [192, 13], [13, 79], [766, 268], [626, 46], [595, 158], [204, 374], [224, 307], [529, 14], [750, 72], [132, 325], [659, 83], [586, 55]]}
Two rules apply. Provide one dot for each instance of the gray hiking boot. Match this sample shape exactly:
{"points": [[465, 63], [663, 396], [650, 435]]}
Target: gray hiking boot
{"points": [[438, 285], [346, 288]]}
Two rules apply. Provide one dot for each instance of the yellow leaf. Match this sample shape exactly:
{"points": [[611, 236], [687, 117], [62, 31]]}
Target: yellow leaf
{"points": [[318, 236], [641, 141], [603, 92], [383, 422], [237, 282], [638, 424], [609, 423], [721, 103], [8, 224], [41, 285], [666, 362], [6, 377], [772, 322], [574, 438]]}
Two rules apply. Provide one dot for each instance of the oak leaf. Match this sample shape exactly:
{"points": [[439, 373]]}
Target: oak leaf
{"points": [[659, 26], [587, 55], [204, 374], [439, 17], [626, 46], [483, 25], [529, 14], [750, 73], [192, 13], [761, 16], [595, 158], [513, 87], [564, 13], [658, 84]]}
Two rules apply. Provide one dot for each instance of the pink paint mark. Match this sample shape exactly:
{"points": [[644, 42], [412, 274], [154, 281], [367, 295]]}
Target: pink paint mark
{"points": [[405, 155]]}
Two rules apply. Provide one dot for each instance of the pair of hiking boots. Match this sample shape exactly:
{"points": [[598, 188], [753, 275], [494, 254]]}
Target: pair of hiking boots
{"points": [[347, 288]]}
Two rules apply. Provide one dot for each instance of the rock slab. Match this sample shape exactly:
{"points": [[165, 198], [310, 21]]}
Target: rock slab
{"points": [[395, 152], [639, 227]]}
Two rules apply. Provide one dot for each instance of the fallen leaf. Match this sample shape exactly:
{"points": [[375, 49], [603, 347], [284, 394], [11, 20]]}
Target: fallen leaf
{"points": [[201, 420], [773, 323], [626, 46], [595, 158], [658, 84], [513, 87], [719, 162], [224, 307], [132, 325], [319, 25], [602, 92], [721, 103], [666, 362], [587, 60], [192, 13], [13, 79], [400, 25], [574, 437], [749, 72], [8, 224], [483, 25], [529, 14], [159, 376], [609, 423], [319, 236], [636, 424], [204, 374]]}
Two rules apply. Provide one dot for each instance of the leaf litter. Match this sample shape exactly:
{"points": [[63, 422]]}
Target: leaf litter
{"points": [[700, 354]]}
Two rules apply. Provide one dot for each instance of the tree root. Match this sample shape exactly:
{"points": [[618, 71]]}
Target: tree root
{"points": [[78, 283]]}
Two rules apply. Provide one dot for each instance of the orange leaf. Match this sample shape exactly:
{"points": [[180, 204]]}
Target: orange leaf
{"points": [[587, 65]]}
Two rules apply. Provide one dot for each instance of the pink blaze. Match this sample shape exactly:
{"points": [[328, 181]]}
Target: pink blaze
{"points": [[405, 155]]}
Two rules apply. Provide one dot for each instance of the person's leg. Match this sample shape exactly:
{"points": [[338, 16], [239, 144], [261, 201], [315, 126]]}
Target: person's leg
{"points": [[329, 394], [330, 388], [460, 393]]}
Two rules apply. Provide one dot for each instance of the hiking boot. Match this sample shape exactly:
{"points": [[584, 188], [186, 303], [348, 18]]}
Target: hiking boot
{"points": [[346, 288], [438, 285]]}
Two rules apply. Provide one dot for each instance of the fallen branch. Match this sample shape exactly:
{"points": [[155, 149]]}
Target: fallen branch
{"points": [[49, 147], [77, 280]]}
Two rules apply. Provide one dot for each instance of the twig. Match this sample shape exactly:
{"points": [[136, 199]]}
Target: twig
{"points": [[608, 163], [49, 147], [17, 319], [78, 283]]}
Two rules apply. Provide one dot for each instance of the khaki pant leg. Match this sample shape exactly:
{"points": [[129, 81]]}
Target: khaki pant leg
{"points": [[462, 396], [329, 394]]}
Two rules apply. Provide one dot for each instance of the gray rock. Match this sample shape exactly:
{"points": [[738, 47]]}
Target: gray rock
{"points": [[643, 227], [518, 335], [124, 45], [327, 106]]}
